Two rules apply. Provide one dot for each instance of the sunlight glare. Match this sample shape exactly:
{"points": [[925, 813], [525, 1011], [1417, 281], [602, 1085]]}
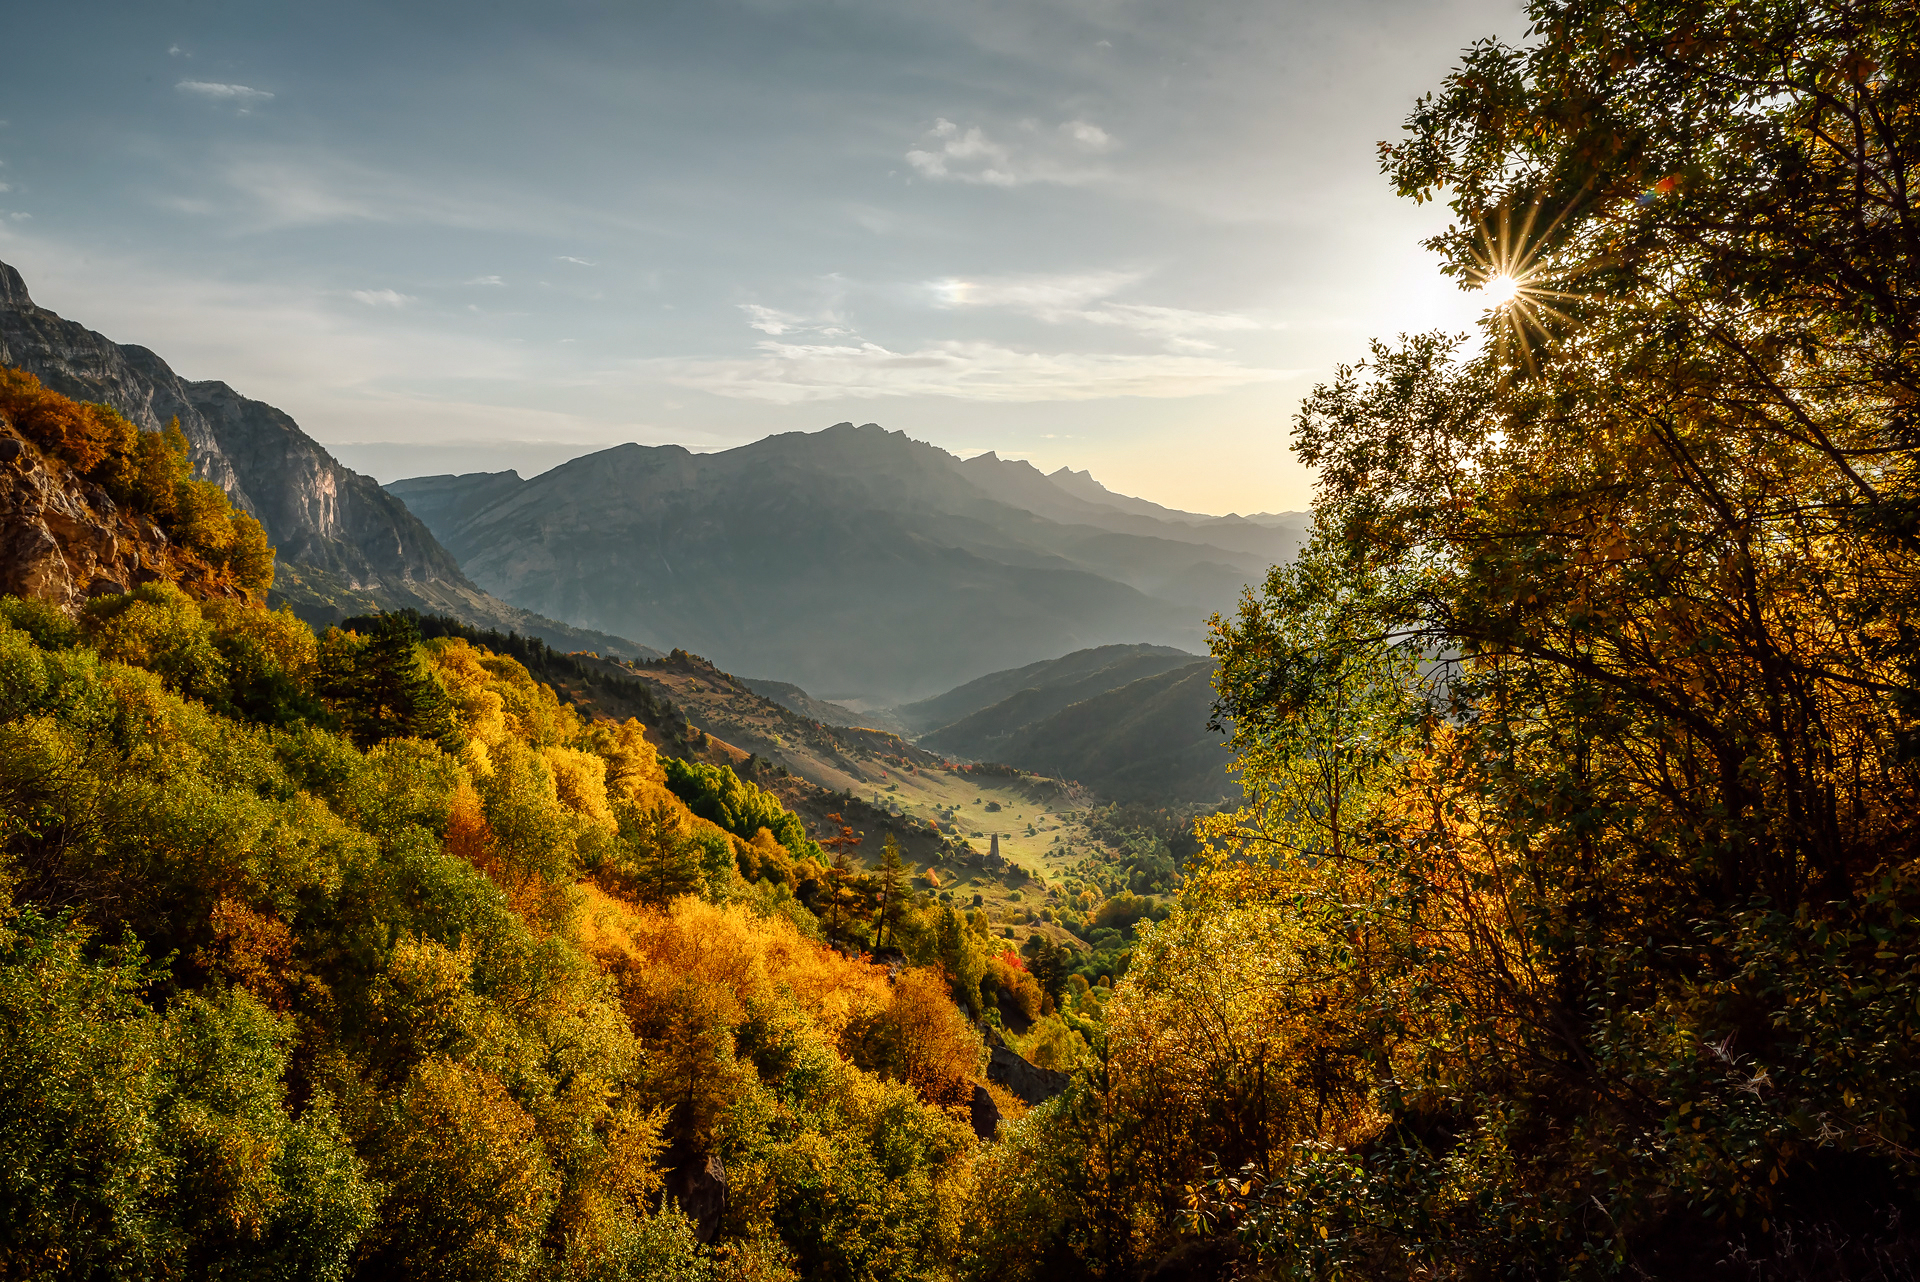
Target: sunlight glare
{"points": [[1500, 289]]}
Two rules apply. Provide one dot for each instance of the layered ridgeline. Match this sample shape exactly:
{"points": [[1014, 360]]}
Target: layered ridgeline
{"points": [[1130, 722], [344, 544], [853, 561]]}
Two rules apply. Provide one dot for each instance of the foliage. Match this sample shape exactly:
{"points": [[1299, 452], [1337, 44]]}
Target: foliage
{"points": [[148, 473], [1567, 925], [738, 805], [446, 998]]}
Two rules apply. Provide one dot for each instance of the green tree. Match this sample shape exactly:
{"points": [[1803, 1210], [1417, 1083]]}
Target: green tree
{"points": [[381, 687], [893, 901]]}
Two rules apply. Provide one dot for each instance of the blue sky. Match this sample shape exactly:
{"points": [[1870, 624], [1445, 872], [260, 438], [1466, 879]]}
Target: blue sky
{"points": [[1108, 234]]}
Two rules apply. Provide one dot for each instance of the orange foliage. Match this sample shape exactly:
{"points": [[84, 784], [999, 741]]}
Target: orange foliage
{"points": [[84, 435], [750, 956]]}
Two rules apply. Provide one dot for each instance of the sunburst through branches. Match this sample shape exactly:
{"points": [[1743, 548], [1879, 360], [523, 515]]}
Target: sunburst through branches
{"points": [[1514, 284]]}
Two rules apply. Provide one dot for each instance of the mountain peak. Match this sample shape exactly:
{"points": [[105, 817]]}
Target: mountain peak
{"points": [[13, 289]]}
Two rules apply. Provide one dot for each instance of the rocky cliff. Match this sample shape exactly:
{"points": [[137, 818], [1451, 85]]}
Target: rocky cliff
{"points": [[63, 540], [345, 546], [317, 512]]}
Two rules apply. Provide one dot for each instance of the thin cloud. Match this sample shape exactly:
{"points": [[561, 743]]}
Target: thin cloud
{"points": [[581, 262], [1085, 299], [486, 280], [382, 297], [1087, 136], [797, 373], [1030, 294], [971, 155], [769, 320], [242, 96]]}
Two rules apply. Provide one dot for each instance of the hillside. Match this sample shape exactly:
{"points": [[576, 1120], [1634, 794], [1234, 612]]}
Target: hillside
{"points": [[854, 562], [794, 699], [1146, 741], [345, 546], [1068, 670], [1128, 722]]}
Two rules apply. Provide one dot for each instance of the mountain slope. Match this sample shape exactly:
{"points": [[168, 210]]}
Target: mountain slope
{"points": [[1145, 741], [984, 692], [1129, 722], [794, 699], [984, 735], [344, 544], [853, 561]]}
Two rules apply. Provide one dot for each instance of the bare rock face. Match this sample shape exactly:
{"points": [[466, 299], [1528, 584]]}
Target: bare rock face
{"points": [[1033, 1084], [984, 1114], [316, 512], [62, 539], [344, 545], [699, 1187]]}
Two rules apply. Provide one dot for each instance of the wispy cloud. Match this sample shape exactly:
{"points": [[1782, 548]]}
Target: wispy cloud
{"points": [[769, 320], [797, 373], [1085, 299], [242, 96], [273, 187], [1043, 295], [382, 297], [578, 262], [971, 155], [486, 280]]}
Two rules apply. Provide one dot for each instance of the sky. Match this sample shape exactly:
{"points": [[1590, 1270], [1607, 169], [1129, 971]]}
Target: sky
{"points": [[1116, 235]]}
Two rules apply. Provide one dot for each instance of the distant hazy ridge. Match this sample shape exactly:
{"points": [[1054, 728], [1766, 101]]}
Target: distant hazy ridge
{"points": [[852, 561]]}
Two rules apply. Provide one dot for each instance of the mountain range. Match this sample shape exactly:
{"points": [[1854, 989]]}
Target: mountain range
{"points": [[854, 561], [344, 545], [866, 565]]}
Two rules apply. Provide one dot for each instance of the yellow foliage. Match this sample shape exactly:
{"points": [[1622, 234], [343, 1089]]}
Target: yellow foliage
{"points": [[752, 957], [631, 759], [281, 633], [580, 779], [480, 708]]}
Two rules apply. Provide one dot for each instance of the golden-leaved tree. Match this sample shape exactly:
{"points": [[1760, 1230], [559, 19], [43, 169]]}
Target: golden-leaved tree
{"points": [[1568, 928]]}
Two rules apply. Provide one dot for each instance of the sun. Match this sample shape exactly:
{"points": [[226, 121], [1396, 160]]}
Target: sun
{"points": [[1500, 289]]}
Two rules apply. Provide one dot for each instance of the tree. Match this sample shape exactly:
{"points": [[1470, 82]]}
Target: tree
{"points": [[838, 894], [380, 686], [1655, 546], [892, 903]]}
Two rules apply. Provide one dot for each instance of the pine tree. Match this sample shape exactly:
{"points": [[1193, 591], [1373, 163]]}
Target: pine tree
{"points": [[382, 688], [892, 889]]}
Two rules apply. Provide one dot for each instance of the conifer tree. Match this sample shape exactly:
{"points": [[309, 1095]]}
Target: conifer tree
{"points": [[892, 888], [382, 688]]}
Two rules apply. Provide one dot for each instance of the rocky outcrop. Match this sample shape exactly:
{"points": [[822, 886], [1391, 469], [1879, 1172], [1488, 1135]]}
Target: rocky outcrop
{"points": [[344, 545], [316, 512], [62, 539], [984, 1114], [699, 1187], [1031, 1083]]}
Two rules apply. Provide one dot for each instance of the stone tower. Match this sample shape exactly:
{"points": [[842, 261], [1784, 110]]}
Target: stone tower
{"points": [[993, 848]]}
